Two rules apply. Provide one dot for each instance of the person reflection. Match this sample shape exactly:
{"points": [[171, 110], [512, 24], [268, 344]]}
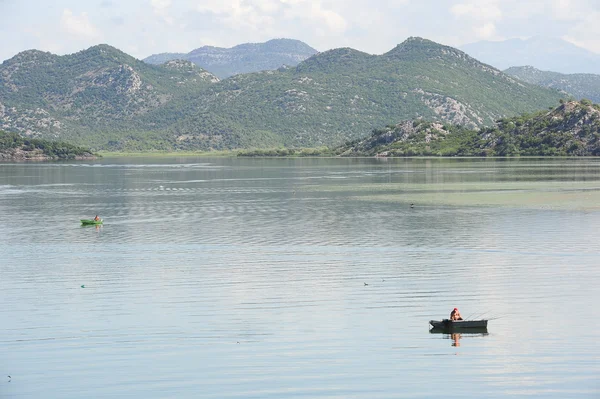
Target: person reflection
{"points": [[455, 339]]}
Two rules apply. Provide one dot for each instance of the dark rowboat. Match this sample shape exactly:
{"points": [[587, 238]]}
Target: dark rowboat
{"points": [[458, 324]]}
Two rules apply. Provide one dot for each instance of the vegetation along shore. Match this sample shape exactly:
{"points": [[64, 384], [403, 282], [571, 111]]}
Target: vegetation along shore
{"points": [[14, 147]]}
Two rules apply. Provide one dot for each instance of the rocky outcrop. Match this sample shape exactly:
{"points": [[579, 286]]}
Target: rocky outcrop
{"points": [[571, 129], [383, 142]]}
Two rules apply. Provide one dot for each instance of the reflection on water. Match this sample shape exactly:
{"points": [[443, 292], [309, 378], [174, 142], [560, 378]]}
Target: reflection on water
{"points": [[455, 336], [281, 278], [455, 339]]}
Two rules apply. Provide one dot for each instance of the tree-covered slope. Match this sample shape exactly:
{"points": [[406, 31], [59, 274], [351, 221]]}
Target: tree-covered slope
{"points": [[15, 147], [243, 58], [339, 94], [98, 89], [578, 85], [573, 129]]}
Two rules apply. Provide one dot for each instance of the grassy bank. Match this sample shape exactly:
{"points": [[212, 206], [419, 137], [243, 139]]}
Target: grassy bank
{"points": [[165, 154], [264, 152]]}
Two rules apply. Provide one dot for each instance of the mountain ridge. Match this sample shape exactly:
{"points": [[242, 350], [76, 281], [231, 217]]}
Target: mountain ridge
{"points": [[242, 58], [105, 99], [579, 85]]}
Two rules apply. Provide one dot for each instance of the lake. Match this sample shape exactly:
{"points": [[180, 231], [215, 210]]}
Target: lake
{"points": [[286, 278]]}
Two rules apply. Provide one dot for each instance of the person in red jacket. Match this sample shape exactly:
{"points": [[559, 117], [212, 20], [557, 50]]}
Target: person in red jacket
{"points": [[455, 315]]}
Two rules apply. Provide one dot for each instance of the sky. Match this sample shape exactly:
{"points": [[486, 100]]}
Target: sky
{"points": [[144, 27]]}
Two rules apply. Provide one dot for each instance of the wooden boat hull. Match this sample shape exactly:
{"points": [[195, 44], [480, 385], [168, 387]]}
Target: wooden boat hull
{"points": [[458, 324], [468, 331]]}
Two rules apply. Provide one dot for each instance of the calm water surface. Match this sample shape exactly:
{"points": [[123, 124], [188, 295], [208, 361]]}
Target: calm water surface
{"points": [[284, 278]]}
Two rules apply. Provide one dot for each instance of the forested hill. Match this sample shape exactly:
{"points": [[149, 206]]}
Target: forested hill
{"points": [[91, 97], [15, 147], [571, 129], [108, 100], [579, 85], [341, 94], [243, 58]]}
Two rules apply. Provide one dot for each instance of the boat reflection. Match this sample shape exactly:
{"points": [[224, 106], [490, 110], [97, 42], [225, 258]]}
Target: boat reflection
{"points": [[97, 226], [456, 339], [456, 334]]}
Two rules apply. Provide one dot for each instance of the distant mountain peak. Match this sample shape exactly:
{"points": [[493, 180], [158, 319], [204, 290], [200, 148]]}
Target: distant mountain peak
{"points": [[423, 50], [284, 40], [544, 53], [33, 53], [29, 56], [105, 51], [424, 46], [102, 47], [342, 52], [243, 58], [334, 59]]}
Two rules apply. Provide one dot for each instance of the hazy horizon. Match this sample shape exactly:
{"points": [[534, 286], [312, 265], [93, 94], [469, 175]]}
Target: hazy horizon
{"points": [[145, 27]]}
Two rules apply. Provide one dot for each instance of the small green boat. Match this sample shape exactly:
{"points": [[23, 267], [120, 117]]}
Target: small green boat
{"points": [[86, 222]]}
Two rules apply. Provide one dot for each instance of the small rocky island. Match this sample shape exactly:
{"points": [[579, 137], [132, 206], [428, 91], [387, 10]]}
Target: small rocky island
{"points": [[16, 148]]}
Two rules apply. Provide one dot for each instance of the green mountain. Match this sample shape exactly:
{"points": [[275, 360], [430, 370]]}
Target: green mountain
{"points": [[579, 85], [341, 94], [100, 89], [108, 100], [244, 58], [571, 129]]}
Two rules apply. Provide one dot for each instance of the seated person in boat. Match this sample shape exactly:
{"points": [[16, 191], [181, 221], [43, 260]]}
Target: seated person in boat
{"points": [[97, 218], [455, 315]]}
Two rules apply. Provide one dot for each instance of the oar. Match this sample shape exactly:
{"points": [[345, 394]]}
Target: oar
{"points": [[469, 316], [475, 313], [479, 315]]}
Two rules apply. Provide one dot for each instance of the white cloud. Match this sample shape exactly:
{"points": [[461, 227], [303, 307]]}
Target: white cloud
{"points": [[564, 9], [586, 32], [216, 6], [160, 4], [480, 17], [79, 26], [262, 14], [480, 10], [313, 14], [334, 21], [241, 14], [268, 6], [161, 8], [375, 26], [486, 31]]}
